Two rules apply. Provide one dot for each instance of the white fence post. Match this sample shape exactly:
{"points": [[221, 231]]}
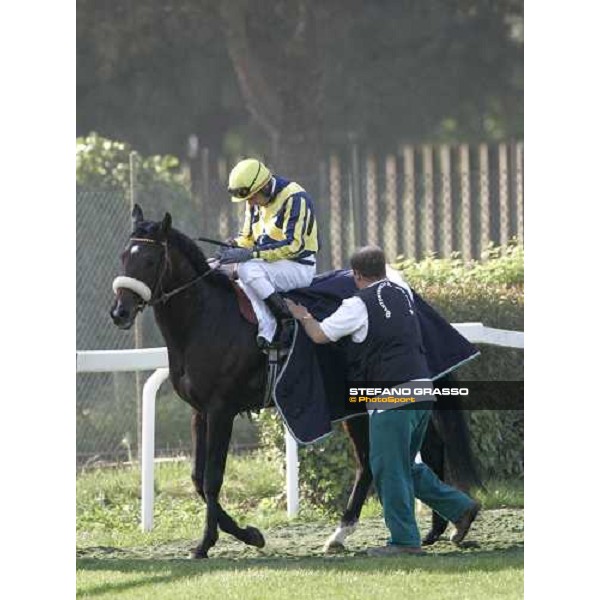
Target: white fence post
{"points": [[291, 474], [148, 418]]}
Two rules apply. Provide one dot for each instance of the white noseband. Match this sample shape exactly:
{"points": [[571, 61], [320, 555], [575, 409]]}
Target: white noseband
{"points": [[135, 285]]}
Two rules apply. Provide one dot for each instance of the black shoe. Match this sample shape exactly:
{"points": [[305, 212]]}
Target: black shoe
{"points": [[262, 343], [278, 307], [285, 321], [281, 340], [285, 333]]}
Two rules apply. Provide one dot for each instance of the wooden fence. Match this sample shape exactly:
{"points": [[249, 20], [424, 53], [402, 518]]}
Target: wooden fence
{"points": [[424, 199]]}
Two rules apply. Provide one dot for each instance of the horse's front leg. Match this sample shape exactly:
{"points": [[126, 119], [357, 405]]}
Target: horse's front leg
{"points": [[217, 433], [357, 429], [198, 451]]}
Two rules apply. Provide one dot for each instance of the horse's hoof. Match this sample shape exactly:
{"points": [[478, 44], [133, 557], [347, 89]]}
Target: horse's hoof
{"points": [[255, 537], [468, 544], [333, 547], [430, 539], [198, 554]]}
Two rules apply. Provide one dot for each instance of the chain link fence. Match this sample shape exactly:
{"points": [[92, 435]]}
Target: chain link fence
{"points": [[106, 418], [108, 404], [418, 201]]}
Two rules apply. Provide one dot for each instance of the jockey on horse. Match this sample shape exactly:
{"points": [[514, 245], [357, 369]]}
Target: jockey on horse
{"points": [[276, 246]]}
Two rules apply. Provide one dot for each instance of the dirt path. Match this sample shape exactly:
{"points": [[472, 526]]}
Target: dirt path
{"points": [[500, 530]]}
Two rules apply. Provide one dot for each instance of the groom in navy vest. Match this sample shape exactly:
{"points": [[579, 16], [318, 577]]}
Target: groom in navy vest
{"points": [[388, 349]]}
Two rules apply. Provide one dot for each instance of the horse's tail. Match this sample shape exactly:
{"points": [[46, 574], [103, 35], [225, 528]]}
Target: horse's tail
{"points": [[459, 461]]}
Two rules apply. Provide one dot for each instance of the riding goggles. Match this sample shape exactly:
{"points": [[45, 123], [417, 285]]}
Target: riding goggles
{"points": [[241, 192], [244, 191]]}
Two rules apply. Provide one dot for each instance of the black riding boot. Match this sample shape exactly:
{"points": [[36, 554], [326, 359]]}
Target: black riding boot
{"points": [[285, 323]]}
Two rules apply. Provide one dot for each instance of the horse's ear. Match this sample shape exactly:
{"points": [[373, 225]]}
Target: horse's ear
{"points": [[165, 226], [136, 215]]}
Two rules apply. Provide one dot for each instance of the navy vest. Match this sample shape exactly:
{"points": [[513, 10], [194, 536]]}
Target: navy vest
{"points": [[393, 350]]}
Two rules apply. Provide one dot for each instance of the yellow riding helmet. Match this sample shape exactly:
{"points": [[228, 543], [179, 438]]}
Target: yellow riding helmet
{"points": [[246, 178]]}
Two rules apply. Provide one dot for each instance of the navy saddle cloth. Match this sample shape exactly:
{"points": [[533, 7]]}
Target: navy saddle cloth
{"points": [[310, 392]]}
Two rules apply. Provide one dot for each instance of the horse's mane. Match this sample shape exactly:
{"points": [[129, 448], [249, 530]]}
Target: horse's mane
{"points": [[189, 249], [192, 252]]}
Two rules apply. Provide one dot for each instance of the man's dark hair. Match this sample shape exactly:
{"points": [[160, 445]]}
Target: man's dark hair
{"points": [[369, 261]]}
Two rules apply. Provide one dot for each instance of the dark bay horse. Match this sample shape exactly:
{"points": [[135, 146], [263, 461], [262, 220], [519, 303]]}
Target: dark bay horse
{"points": [[216, 367]]}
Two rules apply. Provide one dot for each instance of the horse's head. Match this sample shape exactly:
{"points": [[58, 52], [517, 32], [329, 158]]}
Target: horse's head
{"points": [[143, 264]]}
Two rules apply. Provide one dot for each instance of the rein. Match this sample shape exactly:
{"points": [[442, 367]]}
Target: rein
{"points": [[165, 296]]}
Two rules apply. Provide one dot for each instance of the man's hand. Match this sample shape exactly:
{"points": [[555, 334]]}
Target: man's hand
{"points": [[234, 255], [298, 311], [310, 324]]}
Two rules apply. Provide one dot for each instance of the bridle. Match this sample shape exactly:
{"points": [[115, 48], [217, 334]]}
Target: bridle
{"points": [[158, 295]]}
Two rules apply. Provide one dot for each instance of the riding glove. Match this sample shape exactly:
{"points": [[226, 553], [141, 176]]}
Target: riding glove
{"points": [[235, 255]]}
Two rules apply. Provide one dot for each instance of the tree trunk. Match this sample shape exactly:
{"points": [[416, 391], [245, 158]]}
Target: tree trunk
{"points": [[275, 57]]}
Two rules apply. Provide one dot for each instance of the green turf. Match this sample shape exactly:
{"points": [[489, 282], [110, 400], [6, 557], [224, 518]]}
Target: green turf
{"points": [[117, 560], [476, 577]]}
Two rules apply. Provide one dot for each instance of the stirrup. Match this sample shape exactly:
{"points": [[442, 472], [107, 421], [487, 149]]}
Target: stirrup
{"points": [[282, 340], [275, 360], [272, 371]]}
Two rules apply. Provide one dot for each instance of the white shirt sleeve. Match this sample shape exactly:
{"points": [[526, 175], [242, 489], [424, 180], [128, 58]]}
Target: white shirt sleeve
{"points": [[350, 318]]}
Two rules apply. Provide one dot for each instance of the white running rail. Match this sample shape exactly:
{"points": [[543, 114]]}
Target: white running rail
{"points": [[98, 361]]}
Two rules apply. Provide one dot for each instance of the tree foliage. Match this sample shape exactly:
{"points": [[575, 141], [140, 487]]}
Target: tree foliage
{"points": [[289, 78], [104, 163]]}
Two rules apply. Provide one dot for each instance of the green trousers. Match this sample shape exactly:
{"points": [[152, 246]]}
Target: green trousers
{"points": [[396, 437]]}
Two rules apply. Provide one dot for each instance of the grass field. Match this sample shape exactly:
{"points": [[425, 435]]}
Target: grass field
{"points": [[116, 560]]}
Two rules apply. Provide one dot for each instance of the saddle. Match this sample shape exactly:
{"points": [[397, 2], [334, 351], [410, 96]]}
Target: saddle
{"points": [[244, 304], [275, 356]]}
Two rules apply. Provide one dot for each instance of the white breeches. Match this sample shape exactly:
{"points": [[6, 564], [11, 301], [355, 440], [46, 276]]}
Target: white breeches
{"points": [[259, 279]]}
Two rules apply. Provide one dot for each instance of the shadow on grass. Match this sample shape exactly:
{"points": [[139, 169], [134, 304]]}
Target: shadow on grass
{"points": [[171, 570]]}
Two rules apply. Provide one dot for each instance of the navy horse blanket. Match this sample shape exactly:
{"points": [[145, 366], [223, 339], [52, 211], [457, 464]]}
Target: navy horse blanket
{"points": [[311, 389]]}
